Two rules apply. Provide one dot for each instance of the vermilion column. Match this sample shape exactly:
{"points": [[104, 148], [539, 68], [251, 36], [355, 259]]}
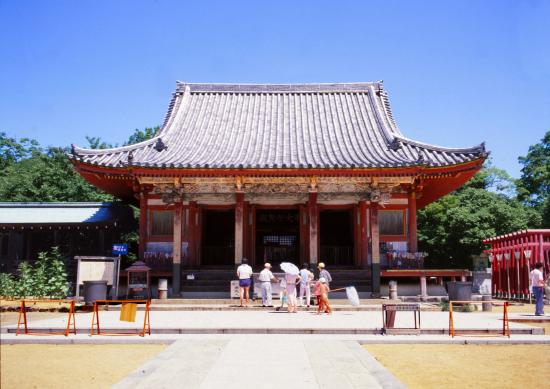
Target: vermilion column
{"points": [[375, 242], [313, 228], [239, 212], [192, 231], [176, 250], [413, 240], [364, 243], [142, 223]]}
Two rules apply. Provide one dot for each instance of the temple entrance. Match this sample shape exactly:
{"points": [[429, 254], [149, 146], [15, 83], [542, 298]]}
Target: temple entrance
{"points": [[218, 237], [277, 235], [336, 237]]}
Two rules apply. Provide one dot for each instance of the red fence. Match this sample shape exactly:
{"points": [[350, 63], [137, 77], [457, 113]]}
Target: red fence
{"points": [[512, 258]]}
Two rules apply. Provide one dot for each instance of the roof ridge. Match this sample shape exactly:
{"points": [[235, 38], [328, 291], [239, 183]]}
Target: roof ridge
{"points": [[276, 87]]}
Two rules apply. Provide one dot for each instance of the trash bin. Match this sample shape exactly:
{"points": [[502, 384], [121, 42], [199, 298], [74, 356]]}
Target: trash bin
{"points": [[459, 291], [94, 290]]}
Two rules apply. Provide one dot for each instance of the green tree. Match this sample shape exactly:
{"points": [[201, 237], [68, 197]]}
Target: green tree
{"points": [[534, 184], [452, 229], [46, 175]]}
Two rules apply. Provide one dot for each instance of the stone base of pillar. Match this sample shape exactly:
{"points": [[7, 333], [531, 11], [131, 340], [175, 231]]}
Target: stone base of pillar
{"points": [[375, 279], [423, 289], [176, 279]]}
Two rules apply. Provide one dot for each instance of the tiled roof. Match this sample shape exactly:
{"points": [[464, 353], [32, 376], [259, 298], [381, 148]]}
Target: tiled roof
{"points": [[62, 213], [279, 126]]}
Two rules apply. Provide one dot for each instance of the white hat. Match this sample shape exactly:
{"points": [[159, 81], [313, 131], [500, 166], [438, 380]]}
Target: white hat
{"points": [[267, 264], [321, 265], [323, 280]]}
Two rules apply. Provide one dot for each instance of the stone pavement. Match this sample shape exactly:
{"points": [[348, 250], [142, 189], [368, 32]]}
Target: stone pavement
{"points": [[274, 361], [250, 321]]}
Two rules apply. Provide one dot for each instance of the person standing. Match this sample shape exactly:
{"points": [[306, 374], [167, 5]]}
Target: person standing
{"points": [[305, 284], [324, 305], [323, 273], [291, 281], [265, 278], [537, 282], [244, 272]]}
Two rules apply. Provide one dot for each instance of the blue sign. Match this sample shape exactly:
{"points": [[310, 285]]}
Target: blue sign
{"points": [[120, 248]]}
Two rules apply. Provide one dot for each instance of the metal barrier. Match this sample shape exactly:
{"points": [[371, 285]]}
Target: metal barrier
{"points": [[505, 322], [146, 320], [23, 314]]}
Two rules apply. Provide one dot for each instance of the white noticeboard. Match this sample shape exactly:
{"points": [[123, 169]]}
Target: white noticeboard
{"points": [[98, 269]]}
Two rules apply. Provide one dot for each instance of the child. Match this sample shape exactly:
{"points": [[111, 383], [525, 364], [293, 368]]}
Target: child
{"points": [[282, 293], [322, 298]]}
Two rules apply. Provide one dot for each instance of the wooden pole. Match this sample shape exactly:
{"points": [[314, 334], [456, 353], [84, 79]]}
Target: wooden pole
{"points": [[375, 243], [413, 240], [239, 213], [364, 234], [313, 228], [142, 223], [176, 250]]}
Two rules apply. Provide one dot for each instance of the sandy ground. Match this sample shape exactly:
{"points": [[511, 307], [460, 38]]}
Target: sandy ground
{"points": [[70, 366], [7, 318], [466, 366]]}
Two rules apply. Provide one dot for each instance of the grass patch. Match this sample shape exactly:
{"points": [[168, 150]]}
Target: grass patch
{"points": [[465, 366]]}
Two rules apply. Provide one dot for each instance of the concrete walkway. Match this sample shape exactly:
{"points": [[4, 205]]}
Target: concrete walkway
{"points": [[249, 321], [262, 362]]}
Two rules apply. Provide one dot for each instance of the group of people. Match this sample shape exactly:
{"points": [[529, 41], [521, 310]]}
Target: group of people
{"points": [[305, 280]]}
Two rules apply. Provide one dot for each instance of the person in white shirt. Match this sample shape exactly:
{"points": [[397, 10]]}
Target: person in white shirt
{"points": [[266, 277], [305, 285], [537, 282], [244, 272]]}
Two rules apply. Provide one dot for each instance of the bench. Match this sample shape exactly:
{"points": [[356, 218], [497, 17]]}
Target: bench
{"points": [[389, 311]]}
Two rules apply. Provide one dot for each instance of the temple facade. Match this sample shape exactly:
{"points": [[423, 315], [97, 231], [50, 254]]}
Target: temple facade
{"points": [[301, 173]]}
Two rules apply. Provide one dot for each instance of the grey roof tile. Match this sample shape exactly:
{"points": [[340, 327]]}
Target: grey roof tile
{"points": [[280, 126]]}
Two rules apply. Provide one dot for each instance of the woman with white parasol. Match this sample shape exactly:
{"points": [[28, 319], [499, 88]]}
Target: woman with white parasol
{"points": [[292, 278]]}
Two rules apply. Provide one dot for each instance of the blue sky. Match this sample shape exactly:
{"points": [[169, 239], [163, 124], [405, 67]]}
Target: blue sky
{"points": [[458, 72]]}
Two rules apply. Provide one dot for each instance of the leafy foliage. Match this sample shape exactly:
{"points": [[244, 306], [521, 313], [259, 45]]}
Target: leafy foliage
{"points": [[47, 278], [534, 184], [452, 229]]}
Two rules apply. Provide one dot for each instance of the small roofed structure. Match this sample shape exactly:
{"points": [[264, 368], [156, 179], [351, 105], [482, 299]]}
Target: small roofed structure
{"points": [[513, 256], [301, 172], [84, 228]]}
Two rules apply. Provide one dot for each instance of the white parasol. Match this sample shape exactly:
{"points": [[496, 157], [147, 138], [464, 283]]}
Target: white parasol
{"points": [[290, 268], [351, 294]]}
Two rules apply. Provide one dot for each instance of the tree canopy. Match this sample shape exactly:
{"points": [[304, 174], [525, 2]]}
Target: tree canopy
{"points": [[29, 172], [534, 184]]}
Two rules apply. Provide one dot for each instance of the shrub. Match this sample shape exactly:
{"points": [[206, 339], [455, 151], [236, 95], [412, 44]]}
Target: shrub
{"points": [[47, 278], [7, 285]]}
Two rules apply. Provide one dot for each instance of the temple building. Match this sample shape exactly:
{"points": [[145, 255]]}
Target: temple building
{"points": [[301, 172]]}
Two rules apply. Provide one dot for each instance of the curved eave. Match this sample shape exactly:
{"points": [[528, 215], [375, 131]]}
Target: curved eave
{"points": [[437, 181]]}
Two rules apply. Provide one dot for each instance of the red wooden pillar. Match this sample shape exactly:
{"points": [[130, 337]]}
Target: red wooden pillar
{"points": [[193, 233], [375, 243], [364, 257], [413, 240], [176, 249], [304, 233], [142, 223], [239, 231], [313, 228]]}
